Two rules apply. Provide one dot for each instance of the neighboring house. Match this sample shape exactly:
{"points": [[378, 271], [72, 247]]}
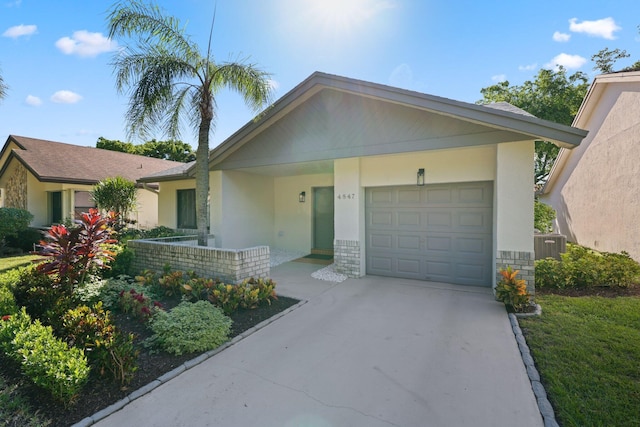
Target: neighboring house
{"points": [[52, 180], [595, 188], [394, 182]]}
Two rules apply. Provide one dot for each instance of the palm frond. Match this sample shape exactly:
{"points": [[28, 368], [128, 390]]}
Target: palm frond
{"points": [[250, 82]]}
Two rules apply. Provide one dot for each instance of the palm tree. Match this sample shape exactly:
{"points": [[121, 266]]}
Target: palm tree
{"points": [[170, 80]]}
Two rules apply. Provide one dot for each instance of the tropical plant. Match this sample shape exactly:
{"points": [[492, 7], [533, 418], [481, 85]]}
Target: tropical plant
{"points": [[117, 195], [76, 252], [511, 290], [171, 79]]}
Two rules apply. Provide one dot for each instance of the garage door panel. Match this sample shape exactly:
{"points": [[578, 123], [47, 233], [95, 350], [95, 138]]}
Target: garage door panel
{"points": [[442, 232]]}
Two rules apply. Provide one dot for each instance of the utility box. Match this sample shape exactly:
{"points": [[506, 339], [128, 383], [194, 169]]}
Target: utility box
{"points": [[549, 245]]}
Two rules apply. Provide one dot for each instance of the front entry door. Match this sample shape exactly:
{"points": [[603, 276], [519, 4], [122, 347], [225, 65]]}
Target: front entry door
{"points": [[323, 224], [56, 207]]}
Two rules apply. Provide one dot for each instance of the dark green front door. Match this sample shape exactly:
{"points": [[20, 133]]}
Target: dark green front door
{"points": [[323, 224], [56, 207]]}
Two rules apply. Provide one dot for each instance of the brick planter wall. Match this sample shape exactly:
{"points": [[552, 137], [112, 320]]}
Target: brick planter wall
{"points": [[523, 261], [229, 265]]}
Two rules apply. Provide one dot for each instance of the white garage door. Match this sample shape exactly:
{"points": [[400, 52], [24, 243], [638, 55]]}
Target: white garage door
{"points": [[440, 233]]}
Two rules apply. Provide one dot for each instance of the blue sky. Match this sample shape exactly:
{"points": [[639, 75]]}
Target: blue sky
{"points": [[55, 57]]}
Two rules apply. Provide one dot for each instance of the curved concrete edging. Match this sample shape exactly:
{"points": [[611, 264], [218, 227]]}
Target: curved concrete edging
{"points": [[546, 410], [180, 369]]}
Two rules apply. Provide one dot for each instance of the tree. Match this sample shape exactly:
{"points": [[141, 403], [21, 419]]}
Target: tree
{"points": [[551, 96], [176, 151], [605, 58], [3, 88], [171, 80], [117, 195]]}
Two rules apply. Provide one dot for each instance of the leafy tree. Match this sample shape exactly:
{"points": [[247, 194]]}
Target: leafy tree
{"points": [[543, 216], [115, 145], [171, 79], [117, 195], [3, 88], [177, 151], [606, 57], [551, 96]]}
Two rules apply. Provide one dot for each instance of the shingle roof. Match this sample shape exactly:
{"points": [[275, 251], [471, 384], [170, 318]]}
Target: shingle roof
{"points": [[52, 161]]}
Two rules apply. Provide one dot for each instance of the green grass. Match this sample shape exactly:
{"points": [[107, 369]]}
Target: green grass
{"points": [[587, 350], [9, 263]]}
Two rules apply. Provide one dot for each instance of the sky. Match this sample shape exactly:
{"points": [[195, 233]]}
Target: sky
{"points": [[56, 59]]}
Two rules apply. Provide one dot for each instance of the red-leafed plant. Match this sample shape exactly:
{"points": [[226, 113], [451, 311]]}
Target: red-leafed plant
{"points": [[75, 252]]}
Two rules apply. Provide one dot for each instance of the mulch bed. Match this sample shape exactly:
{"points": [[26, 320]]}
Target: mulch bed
{"points": [[100, 393]]}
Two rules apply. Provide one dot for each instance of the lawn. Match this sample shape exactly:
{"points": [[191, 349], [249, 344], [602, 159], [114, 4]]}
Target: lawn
{"points": [[587, 350], [9, 263]]}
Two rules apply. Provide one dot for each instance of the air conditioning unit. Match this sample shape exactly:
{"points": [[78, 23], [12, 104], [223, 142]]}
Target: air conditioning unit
{"points": [[549, 245]]}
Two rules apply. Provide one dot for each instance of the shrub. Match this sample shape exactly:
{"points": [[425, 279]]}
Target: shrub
{"points": [[25, 239], [122, 261], [543, 216], [190, 327], [7, 301], [512, 291], [90, 329], [117, 195], [248, 295], [13, 220], [138, 304], [36, 291], [10, 325], [619, 270], [50, 363], [198, 289], [549, 274], [171, 283]]}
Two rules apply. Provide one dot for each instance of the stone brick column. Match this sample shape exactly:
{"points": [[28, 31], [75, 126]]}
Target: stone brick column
{"points": [[346, 255], [523, 261]]}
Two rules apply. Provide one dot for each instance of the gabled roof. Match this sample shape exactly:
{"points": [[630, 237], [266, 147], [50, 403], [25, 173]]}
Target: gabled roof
{"points": [[500, 117], [51, 161], [589, 104]]}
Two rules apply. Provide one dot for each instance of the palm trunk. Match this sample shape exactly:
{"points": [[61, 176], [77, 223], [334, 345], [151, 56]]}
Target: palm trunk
{"points": [[202, 181]]}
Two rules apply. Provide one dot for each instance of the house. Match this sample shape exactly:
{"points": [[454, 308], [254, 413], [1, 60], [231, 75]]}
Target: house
{"points": [[52, 180], [594, 188], [392, 182]]}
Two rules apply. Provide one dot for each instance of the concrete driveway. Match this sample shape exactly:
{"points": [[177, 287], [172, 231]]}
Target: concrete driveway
{"points": [[366, 352]]}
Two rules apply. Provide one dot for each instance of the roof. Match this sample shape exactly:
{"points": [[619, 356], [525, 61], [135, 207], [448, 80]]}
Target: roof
{"points": [[51, 161], [588, 106], [501, 116]]}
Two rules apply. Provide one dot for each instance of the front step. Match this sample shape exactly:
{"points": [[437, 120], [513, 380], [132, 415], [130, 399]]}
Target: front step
{"points": [[322, 251]]}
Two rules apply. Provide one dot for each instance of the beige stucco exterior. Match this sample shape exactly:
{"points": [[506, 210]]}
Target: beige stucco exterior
{"points": [[354, 136], [594, 188]]}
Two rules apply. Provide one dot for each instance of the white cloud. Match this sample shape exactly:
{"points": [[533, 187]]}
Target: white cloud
{"points": [[84, 43], [401, 76], [567, 61], [34, 101], [20, 30], [498, 78], [65, 97], [600, 28], [529, 67], [561, 37]]}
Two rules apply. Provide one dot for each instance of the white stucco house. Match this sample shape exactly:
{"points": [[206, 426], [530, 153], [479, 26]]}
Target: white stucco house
{"points": [[594, 188], [394, 182]]}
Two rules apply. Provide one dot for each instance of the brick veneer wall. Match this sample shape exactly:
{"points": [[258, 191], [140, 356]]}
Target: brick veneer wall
{"points": [[523, 261], [229, 265], [346, 255]]}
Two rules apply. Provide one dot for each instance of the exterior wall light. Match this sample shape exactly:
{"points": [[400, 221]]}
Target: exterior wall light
{"points": [[420, 177], [302, 196]]}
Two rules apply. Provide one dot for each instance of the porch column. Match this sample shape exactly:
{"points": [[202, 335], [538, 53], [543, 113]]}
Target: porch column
{"points": [[514, 210], [348, 245]]}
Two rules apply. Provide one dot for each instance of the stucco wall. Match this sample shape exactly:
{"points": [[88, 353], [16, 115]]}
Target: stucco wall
{"points": [[167, 201], [293, 221], [596, 196]]}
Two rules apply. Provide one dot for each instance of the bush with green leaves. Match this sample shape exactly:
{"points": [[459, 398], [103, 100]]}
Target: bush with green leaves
{"points": [[247, 295], [190, 327], [108, 352], [7, 301], [116, 194], [12, 221], [581, 267], [122, 261], [543, 216], [37, 292], [10, 325], [49, 363], [25, 239]]}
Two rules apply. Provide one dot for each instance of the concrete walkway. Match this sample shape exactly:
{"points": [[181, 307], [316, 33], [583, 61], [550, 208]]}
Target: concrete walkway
{"points": [[366, 352]]}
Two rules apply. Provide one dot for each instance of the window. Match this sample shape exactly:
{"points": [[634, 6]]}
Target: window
{"points": [[187, 208], [83, 202]]}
